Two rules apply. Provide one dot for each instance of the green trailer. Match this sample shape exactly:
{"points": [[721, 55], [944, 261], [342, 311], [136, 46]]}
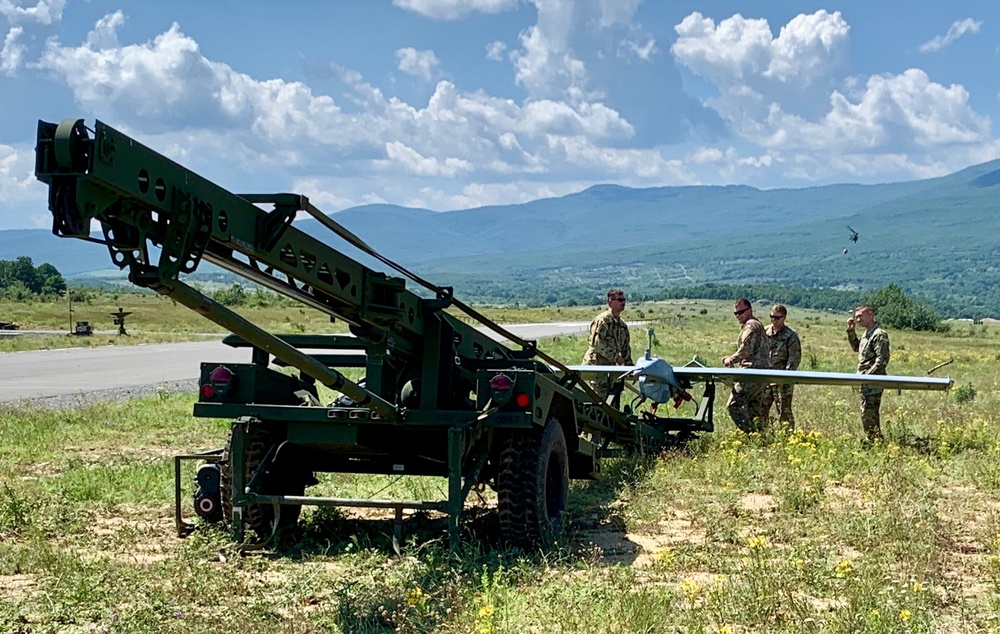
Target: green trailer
{"points": [[439, 397]]}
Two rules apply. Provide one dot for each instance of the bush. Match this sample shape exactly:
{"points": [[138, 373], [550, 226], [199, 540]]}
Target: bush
{"points": [[893, 308], [235, 295], [965, 394]]}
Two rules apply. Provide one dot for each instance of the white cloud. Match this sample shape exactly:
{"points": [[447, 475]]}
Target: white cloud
{"points": [[742, 52], [422, 64], [201, 108], [957, 29], [644, 51], [705, 155], [454, 9], [785, 94], [893, 113], [485, 194], [495, 50], [319, 194], [545, 65], [42, 12], [636, 167], [808, 46], [12, 52], [18, 187], [105, 33], [617, 11], [413, 162]]}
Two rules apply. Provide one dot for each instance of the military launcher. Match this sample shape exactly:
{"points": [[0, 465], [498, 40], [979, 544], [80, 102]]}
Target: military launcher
{"points": [[438, 397]]}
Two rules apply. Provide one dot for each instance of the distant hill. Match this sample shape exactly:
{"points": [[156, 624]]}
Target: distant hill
{"points": [[934, 237]]}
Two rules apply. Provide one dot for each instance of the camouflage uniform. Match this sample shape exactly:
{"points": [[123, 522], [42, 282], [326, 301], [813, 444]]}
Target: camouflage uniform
{"points": [[873, 357], [785, 354], [746, 401], [609, 340]]}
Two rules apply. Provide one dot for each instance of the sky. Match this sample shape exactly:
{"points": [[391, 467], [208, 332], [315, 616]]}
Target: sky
{"points": [[452, 104]]}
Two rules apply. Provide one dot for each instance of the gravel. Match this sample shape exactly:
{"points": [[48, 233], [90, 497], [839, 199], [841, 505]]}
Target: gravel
{"points": [[70, 401]]}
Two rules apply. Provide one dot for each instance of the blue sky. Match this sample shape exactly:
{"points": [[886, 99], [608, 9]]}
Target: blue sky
{"points": [[450, 104]]}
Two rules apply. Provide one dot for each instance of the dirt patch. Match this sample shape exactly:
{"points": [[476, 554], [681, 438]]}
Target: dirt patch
{"points": [[827, 605], [679, 528], [132, 534], [758, 502], [17, 586], [94, 455], [608, 545], [612, 544]]}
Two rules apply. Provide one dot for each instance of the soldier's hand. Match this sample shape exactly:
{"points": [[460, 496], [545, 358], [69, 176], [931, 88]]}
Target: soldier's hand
{"points": [[727, 361], [850, 323]]}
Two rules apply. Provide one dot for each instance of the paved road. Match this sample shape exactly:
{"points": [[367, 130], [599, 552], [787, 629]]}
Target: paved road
{"points": [[47, 373]]}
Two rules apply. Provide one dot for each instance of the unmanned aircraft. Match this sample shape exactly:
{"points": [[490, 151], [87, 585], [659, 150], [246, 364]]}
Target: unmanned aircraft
{"points": [[854, 234], [659, 382]]}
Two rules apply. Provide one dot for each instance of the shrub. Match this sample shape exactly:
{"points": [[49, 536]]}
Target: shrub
{"points": [[965, 394], [895, 309]]}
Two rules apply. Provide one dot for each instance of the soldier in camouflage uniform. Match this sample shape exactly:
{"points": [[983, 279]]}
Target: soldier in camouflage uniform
{"points": [[873, 357], [752, 351], [786, 353], [610, 342]]}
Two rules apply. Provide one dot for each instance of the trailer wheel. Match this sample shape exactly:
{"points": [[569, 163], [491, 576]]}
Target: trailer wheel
{"points": [[532, 485], [260, 517]]}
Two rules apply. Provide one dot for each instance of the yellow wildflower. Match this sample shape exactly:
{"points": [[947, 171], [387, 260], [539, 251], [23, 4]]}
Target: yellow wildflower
{"points": [[486, 611], [725, 629], [905, 615], [759, 541], [843, 568], [665, 556], [798, 562], [916, 586], [690, 588], [415, 596]]}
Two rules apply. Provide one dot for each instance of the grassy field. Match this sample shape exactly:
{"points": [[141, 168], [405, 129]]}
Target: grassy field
{"points": [[157, 319], [809, 531]]}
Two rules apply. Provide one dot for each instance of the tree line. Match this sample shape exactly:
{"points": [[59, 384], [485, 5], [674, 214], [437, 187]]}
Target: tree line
{"points": [[893, 307], [20, 279]]}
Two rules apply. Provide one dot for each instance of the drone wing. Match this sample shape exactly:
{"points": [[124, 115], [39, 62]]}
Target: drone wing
{"points": [[756, 375], [701, 374]]}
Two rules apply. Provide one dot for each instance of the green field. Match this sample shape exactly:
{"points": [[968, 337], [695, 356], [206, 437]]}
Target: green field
{"points": [[811, 531]]}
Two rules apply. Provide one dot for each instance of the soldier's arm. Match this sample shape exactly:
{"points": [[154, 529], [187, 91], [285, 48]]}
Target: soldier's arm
{"points": [[747, 344], [627, 352], [881, 345], [603, 343], [794, 353], [852, 338]]}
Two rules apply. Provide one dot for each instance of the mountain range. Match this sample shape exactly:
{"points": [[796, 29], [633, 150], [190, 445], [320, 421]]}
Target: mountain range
{"points": [[933, 237]]}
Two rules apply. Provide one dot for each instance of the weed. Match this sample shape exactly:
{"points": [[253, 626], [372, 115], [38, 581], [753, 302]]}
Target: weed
{"points": [[965, 394]]}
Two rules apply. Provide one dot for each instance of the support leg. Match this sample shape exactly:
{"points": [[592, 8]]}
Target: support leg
{"points": [[456, 501], [236, 466]]}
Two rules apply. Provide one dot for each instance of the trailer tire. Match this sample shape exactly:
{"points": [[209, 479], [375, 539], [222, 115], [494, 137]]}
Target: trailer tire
{"points": [[533, 485], [260, 517]]}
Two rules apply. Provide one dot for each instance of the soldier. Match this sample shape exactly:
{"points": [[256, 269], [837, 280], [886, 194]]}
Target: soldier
{"points": [[746, 401], [785, 354], [610, 343], [873, 357]]}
